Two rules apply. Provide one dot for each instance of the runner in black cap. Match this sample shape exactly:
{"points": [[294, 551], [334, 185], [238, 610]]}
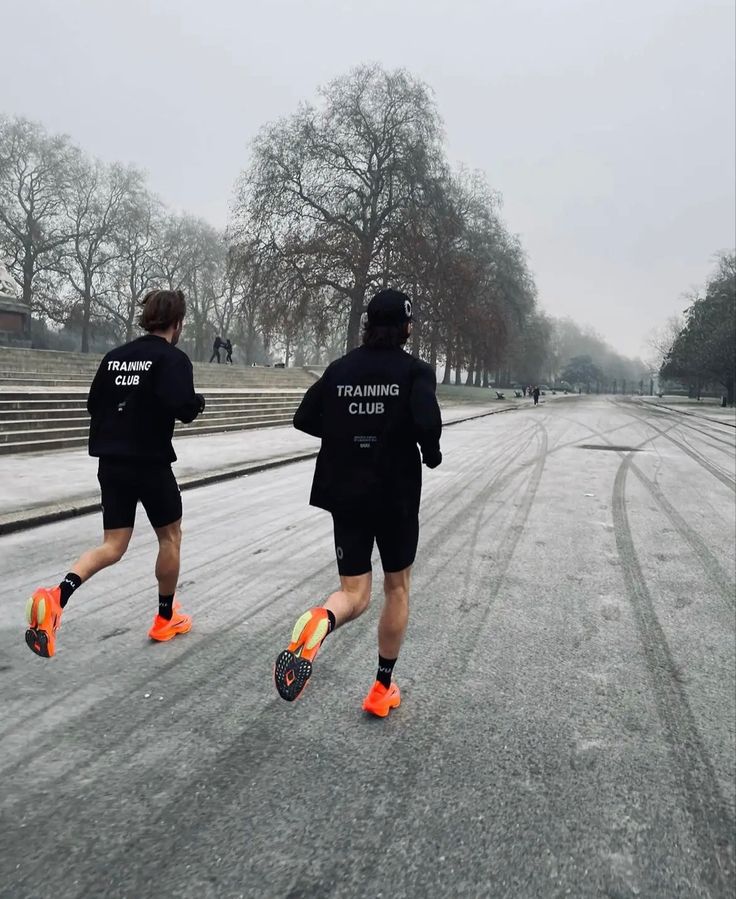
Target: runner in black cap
{"points": [[138, 392], [371, 408]]}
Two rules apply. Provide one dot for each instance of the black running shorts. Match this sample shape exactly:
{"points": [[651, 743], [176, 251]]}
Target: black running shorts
{"points": [[397, 537], [123, 484]]}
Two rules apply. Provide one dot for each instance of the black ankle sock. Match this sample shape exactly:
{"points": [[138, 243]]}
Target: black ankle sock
{"points": [[333, 621], [68, 586], [385, 670], [166, 606]]}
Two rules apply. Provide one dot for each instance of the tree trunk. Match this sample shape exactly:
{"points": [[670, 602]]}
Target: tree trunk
{"points": [[357, 299], [27, 274], [433, 352], [447, 377], [469, 376], [131, 316], [86, 316], [250, 339], [417, 329], [200, 323], [486, 377], [356, 311], [129, 323], [457, 360]]}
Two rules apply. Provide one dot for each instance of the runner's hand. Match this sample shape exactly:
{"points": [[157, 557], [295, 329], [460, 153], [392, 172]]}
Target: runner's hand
{"points": [[432, 459]]}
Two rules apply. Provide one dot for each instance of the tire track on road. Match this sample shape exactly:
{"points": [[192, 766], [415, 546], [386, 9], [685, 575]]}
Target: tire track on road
{"points": [[709, 466], [711, 566], [715, 427], [458, 645], [718, 576], [506, 451], [219, 779], [712, 822], [252, 746]]}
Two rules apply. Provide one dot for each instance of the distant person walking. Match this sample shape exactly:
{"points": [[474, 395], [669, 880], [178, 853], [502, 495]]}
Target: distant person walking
{"points": [[219, 342], [371, 408], [535, 394], [229, 351], [140, 389]]}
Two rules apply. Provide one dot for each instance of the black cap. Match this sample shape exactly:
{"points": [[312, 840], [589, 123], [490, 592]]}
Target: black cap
{"points": [[389, 307]]}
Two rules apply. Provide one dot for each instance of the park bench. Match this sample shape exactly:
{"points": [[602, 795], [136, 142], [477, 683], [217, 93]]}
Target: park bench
{"points": [[500, 396], [518, 394]]}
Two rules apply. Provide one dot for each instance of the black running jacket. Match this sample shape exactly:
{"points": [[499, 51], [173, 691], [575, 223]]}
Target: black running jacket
{"points": [[371, 408], [140, 389]]}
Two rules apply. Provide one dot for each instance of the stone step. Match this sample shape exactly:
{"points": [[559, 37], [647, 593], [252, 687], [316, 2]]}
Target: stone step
{"points": [[28, 381], [63, 428], [32, 371], [208, 379], [15, 408], [56, 395], [82, 380], [9, 370], [11, 417], [65, 443], [51, 418]]}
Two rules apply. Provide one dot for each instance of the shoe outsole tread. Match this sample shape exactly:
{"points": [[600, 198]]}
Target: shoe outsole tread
{"points": [[43, 617], [291, 674], [38, 642]]}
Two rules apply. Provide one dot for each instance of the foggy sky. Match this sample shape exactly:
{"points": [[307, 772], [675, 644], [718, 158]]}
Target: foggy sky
{"points": [[607, 126]]}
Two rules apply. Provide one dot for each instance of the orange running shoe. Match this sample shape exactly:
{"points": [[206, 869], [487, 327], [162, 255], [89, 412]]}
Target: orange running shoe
{"points": [[294, 665], [43, 614], [163, 629], [380, 700]]}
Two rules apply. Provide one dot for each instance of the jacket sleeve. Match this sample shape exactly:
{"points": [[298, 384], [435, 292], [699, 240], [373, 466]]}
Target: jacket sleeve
{"points": [[175, 388], [308, 417], [425, 413], [97, 389]]}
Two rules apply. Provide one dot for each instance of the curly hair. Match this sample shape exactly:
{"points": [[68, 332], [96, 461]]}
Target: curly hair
{"points": [[161, 309]]}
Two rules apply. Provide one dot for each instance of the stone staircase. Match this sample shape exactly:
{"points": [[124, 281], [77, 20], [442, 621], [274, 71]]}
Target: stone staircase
{"points": [[43, 399], [52, 368]]}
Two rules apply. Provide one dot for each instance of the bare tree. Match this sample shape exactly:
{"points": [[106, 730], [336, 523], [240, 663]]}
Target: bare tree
{"points": [[329, 184], [93, 210], [136, 266], [35, 180]]}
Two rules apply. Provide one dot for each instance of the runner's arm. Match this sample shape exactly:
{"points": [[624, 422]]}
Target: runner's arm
{"points": [[175, 388], [425, 413], [308, 417]]}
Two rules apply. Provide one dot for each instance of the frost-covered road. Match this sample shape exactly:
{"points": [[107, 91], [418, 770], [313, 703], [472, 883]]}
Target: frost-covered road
{"points": [[568, 716]]}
